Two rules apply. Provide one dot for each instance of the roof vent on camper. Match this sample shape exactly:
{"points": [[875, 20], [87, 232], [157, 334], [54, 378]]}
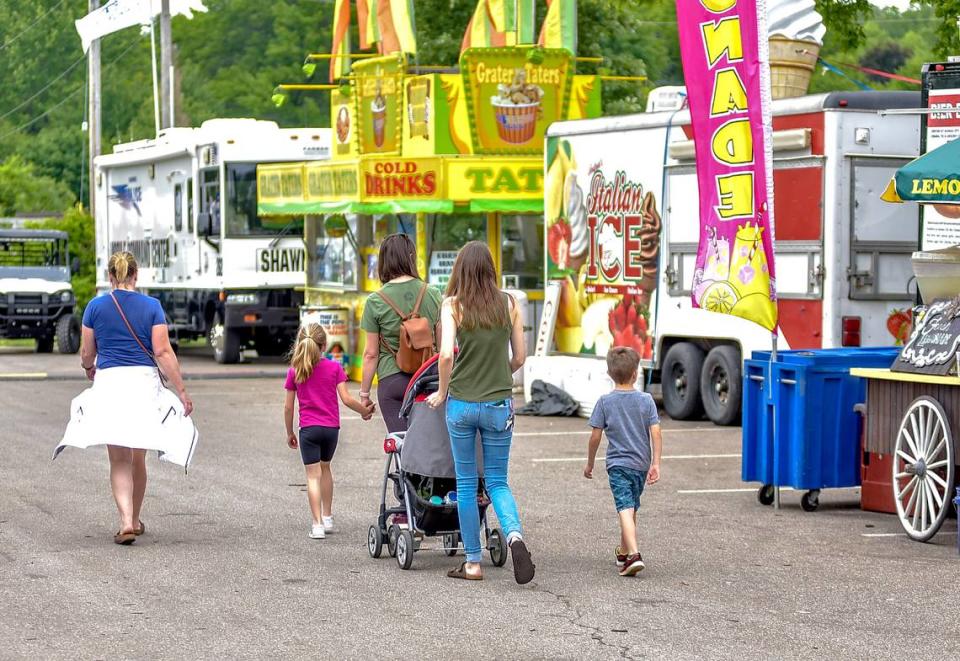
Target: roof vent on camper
{"points": [[667, 98], [208, 155]]}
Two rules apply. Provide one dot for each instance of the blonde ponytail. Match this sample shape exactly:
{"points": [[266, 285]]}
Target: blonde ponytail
{"points": [[311, 343], [122, 266]]}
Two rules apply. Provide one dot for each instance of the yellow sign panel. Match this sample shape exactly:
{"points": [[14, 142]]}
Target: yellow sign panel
{"points": [[494, 178], [344, 117], [280, 184], [513, 96], [328, 182], [378, 88], [396, 178], [419, 136]]}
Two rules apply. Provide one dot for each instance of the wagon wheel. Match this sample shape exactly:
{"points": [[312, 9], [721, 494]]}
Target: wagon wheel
{"points": [[923, 468]]}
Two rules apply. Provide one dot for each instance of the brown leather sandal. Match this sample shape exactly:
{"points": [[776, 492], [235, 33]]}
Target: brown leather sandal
{"points": [[461, 573], [125, 538], [142, 529]]}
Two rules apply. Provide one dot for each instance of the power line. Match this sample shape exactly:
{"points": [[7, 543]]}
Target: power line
{"points": [[66, 98], [42, 115], [30, 27], [44, 88]]}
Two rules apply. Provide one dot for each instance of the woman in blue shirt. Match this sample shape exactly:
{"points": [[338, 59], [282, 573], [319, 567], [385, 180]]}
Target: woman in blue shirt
{"points": [[125, 341]]}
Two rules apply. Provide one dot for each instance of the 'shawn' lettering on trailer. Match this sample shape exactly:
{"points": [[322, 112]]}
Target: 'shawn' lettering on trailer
{"points": [[280, 260]]}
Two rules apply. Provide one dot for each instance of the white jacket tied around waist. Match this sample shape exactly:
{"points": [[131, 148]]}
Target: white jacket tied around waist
{"points": [[129, 407]]}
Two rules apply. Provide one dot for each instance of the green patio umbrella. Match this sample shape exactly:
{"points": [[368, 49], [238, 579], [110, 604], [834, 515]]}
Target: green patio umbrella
{"points": [[934, 178]]}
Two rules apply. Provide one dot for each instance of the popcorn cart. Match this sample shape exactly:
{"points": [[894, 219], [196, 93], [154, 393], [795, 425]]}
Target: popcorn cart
{"points": [[913, 408]]}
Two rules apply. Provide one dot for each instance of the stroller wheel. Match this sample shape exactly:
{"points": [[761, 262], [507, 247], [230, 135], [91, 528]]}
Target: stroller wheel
{"points": [[374, 542], [392, 534], [497, 546], [405, 549], [450, 543]]}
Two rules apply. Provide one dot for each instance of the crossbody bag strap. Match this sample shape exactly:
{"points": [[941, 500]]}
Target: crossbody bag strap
{"points": [[153, 358]]}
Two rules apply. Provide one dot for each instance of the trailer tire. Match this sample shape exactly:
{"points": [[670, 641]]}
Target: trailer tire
{"points": [[680, 381], [721, 385], [225, 343], [45, 345], [68, 334]]}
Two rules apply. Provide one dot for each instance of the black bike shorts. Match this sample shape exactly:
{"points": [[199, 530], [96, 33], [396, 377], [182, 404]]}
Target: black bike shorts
{"points": [[318, 443]]}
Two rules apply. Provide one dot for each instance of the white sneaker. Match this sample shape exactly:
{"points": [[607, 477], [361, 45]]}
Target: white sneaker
{"points": [[328, 523], [317, 531]]}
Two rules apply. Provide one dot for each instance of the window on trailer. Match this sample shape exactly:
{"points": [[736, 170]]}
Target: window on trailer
{"points": [[522, 251], [332, 256], [241, 207]]}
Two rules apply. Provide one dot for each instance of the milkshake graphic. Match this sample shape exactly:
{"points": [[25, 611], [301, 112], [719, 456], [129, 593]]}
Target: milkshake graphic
{"points": [[378, 108]]}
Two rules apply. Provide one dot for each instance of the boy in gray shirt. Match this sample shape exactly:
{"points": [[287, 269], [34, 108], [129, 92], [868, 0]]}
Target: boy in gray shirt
{"points": [[629, 417]]}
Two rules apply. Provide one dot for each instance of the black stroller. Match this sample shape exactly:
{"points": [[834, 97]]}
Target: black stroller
{"points": [[420, 466]]}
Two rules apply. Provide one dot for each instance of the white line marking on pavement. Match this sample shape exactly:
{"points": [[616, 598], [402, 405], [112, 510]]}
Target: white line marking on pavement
{"points": [[552, 460], [883, 534], [751, 490], [23, 375], [587, 432]]}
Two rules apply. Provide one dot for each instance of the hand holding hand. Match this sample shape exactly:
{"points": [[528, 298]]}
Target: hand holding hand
{"points": [[653, 475], [588, 471], [369, 409], [436, 399], [291, 440]]}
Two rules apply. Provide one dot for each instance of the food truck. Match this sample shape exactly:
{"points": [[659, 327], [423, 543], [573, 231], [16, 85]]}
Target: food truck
{"points": [[447, 157], [622, 219]]}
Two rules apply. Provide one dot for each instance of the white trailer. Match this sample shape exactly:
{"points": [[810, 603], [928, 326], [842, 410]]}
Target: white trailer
{"points": [[185, 204], [842, 256]]}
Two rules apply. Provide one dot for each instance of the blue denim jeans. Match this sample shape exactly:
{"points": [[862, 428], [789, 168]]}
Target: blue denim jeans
{"points": [[494, 420]]}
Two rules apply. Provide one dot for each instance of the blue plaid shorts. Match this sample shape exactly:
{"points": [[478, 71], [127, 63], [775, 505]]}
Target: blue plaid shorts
{"points": [[626, 485]]}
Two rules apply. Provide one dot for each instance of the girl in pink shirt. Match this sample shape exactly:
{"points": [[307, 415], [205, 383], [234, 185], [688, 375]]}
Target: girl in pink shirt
{"points": [[315, 381]]}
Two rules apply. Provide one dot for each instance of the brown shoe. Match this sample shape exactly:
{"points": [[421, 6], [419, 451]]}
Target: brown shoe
{"points": [[461, 573], [142, 529], [125, 538]]}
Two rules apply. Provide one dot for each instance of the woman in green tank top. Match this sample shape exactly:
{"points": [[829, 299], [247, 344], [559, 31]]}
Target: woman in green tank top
{"points": [[485, 323]]}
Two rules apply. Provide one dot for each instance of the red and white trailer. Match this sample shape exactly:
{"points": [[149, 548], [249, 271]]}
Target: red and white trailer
{"points": [[844, 276]]}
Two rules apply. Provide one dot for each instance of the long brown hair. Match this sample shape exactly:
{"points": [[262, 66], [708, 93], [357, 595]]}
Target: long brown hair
{"points": [[398, 257], [474, 282], [311, 343]]}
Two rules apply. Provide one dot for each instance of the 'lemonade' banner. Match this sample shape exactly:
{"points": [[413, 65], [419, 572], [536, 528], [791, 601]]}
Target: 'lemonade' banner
{"points": [[723, 44]]}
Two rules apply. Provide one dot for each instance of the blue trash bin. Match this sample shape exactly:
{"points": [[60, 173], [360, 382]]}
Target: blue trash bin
{"points": [[799, 425]]}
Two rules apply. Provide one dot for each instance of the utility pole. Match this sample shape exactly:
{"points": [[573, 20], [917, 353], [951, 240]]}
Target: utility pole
{"points": [[167, 118], [93, 125]]}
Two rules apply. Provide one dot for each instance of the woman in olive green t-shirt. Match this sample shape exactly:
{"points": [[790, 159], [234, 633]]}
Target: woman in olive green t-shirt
{"points": [[397, 268], [478, 391]]}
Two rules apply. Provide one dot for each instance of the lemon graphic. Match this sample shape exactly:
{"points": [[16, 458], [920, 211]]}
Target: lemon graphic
{"points": [[719, 297]]}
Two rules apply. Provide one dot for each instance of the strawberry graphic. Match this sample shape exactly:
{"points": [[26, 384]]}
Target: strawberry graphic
{"points": [[559, 236], [898, 323], [629, 326]]}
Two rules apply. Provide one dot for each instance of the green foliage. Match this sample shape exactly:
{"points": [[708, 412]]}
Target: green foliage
{"points": [[79, 225], [23, 190], [895, 42], [844, 21], [948, 32]]}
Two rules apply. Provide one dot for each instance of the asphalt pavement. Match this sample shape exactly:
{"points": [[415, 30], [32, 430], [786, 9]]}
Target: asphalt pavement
{"points": [[226, 569]]}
